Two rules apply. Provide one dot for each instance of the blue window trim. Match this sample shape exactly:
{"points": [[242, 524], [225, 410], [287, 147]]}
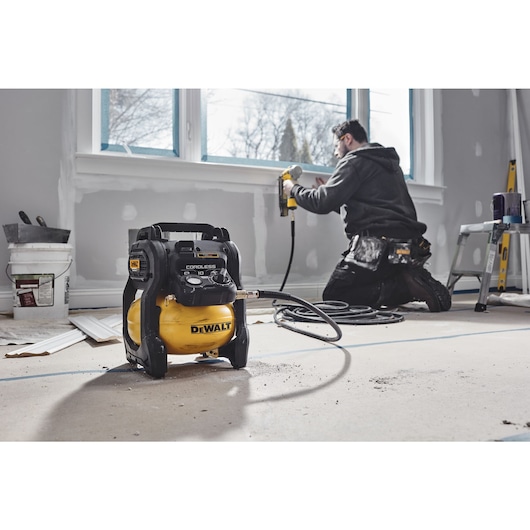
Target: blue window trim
{"points": [[106, 146], [265, 163], [254, 161], [175, 152], [348, 103]]}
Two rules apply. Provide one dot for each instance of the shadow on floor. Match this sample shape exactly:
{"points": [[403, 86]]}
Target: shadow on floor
{"points": [[195, 401], [125, 404]]}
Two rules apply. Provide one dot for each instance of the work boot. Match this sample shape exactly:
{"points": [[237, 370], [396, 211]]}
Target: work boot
{"points": [[394, 292], [424, 288]]}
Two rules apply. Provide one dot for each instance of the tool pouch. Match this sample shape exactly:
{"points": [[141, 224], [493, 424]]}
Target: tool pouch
{"points": [[413, 252], [366, 252], [399, 251]]}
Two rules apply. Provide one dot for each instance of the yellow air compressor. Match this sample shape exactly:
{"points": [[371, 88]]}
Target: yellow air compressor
{"points": [[184, 329], [188, 297]]}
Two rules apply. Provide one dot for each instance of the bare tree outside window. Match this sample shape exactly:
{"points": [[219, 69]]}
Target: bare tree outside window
{"points": [[288, 145], [141, 118], [289, 125]]}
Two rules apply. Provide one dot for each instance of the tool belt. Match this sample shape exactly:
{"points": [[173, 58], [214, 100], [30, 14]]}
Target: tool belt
{"points": [[369, 252]]}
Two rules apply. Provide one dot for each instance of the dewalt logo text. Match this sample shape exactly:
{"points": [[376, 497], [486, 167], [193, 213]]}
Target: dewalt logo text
{"points": [[211, 328]]}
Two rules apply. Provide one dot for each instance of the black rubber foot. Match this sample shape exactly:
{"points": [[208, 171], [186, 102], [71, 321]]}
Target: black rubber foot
{"points": [[480, 308]]}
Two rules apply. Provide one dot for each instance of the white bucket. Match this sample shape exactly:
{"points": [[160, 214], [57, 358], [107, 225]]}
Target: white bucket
{"points": [[41, 280]]}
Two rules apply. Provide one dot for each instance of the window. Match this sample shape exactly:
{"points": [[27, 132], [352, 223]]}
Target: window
{"points": [[390, 122], [254, 126], [198, 123], [264, 126], [141, 121]]}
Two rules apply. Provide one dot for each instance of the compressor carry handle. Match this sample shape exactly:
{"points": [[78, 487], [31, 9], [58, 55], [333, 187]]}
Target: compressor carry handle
{"points": [[155, 231]]}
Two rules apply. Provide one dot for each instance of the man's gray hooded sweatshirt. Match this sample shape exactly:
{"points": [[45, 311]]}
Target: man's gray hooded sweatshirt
{"points": [[369, 191]]}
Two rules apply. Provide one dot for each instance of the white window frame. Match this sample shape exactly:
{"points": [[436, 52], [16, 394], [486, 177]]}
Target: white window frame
{"points": [[91, 162]]}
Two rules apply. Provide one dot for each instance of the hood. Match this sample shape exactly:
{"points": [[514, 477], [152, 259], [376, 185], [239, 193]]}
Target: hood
{"points": [[384, 156]]}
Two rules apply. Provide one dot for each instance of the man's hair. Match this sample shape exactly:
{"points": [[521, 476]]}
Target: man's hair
{"points": [[353, 127]]}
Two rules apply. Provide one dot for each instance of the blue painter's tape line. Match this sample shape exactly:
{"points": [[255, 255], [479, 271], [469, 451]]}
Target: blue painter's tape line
{"points": [[326, 346]]}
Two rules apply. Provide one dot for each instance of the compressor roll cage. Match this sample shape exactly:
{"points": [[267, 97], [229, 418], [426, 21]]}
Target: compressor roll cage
{"points": [[153, 272]]}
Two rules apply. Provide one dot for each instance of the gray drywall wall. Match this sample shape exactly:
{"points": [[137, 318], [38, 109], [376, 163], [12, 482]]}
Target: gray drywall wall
{"points": [[103, 219], [37, 169], [30, 157], [476, 155]]}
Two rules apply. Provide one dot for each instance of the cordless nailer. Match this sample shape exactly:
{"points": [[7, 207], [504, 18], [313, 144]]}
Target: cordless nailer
{"points": [[287, 203]]}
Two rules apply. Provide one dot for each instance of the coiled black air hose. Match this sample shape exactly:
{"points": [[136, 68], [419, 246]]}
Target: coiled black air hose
{"points": [[333, 312], [341, 313]]}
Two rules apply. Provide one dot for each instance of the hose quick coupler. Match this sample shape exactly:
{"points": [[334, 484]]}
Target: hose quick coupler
{"points": [[244, 295]]}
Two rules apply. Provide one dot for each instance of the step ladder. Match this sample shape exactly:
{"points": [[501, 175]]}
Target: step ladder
{"points": [[495, 231], [455, 273], [465, 230]]}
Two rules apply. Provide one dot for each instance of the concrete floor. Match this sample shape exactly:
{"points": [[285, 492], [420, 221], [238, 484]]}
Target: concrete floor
{"points": [[454, 376]]}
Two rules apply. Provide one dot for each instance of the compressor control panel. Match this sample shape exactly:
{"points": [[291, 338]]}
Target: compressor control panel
{"points": [[199, 275]]}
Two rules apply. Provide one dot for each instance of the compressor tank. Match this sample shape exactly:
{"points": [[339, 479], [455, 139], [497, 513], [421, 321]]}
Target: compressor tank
{"points": [[186, 329]]}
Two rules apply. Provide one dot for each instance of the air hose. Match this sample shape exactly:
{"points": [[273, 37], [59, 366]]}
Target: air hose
{"points": [[335, 311], [321, 316], [291, 253], [341, 313]]}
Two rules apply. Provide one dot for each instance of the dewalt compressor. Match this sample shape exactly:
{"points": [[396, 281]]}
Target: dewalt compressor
{"points": [[192, 299], [188, 302]]}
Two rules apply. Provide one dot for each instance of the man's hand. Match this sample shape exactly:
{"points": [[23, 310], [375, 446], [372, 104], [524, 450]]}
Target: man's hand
{"points": [[319, 182], [288, 186]]}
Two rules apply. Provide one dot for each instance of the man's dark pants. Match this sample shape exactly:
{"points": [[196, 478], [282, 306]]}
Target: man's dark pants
{"points": [[357, 285]]}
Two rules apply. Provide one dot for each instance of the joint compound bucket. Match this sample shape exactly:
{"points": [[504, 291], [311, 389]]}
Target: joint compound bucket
{"points": [[40, 274]]}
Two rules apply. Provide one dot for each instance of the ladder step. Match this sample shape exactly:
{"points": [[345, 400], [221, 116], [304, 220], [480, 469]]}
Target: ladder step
{"points": [[457, 272]]}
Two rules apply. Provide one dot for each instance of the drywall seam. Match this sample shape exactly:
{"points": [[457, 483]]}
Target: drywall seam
{"points": [[260, 235]]}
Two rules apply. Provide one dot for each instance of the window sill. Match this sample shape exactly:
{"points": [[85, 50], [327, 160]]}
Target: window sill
{"points": [[426, 193], [151, 167], [103, 165]]}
